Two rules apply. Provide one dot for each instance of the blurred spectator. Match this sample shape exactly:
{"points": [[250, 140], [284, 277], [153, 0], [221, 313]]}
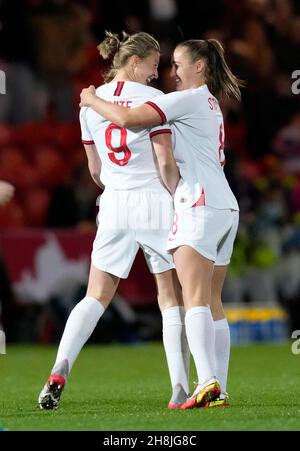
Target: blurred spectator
{"points": [[23, 100], [60, 28], [287, 277], [163, 15], [286, 145], [79, 195], [16, 37], [280, 15], [295, 197]]}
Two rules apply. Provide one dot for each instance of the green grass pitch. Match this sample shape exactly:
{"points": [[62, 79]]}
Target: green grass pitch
{"points": [[122, 388]]}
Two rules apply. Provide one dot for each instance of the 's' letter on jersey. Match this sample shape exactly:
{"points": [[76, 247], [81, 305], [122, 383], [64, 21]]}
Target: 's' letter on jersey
{"points": [[2, 82], [296, 84]]}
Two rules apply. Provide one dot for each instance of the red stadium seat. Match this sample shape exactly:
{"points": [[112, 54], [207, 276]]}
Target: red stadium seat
{"points": [[16, 169], [250, 170], [27, 177], [78, 157], [11, 156], [67, 136], [36, 205], [12, 215], [11, 162], [33, 134], [7, 134], [50, 165]]}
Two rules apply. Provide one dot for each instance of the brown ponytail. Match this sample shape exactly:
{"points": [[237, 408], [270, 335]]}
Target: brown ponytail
{"points": [[219, 78]]}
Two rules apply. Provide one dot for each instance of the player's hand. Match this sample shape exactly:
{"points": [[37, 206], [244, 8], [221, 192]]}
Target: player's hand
{"points": [[87, 96], [6, 192]]}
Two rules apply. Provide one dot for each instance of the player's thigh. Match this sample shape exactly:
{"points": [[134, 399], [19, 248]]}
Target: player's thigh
{"points": [[195, 275], [166, 292], [102, 285]]}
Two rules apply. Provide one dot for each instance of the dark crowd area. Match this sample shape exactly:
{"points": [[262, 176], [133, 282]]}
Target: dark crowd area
{"points": [[48, 54]]}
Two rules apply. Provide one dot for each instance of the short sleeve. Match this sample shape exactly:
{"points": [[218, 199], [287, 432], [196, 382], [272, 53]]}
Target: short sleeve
{"points": [[86, 136], [159, 130], [173, 106]]}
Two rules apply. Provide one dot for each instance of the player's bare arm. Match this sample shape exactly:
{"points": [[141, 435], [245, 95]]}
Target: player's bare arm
{"points": [[167, 166], [94, 163], [142, 116]]}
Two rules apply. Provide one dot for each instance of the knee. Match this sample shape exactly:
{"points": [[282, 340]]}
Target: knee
{"points": [[195, 299], [167, 302], [100, 294]]}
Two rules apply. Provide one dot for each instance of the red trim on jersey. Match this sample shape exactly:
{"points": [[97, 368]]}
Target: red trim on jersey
{"points": [[119, 88], [160, 112], [87, 142], [201, 201], [160, 132]]}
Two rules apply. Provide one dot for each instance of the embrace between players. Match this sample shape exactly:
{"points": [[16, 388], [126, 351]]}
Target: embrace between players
{"points": [[161, 162]]}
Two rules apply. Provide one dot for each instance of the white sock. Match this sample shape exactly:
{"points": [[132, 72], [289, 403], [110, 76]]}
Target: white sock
{"points": [[201, 338], [222, 350], [79, 327], [172, 339], [184, 344]]}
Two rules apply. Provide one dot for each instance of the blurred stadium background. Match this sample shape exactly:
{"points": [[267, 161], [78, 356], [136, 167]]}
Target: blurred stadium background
{"points": [[48, 54]]}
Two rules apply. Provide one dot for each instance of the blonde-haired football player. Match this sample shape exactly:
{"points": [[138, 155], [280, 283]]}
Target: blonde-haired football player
{"points": [[136, 211]]}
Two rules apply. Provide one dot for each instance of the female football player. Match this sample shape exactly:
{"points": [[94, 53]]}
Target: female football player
{"points": [[136, 211], [206, 211]]}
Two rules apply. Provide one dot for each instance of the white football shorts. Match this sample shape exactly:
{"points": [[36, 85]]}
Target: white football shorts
{"points": [[209, 231], [129, 220]]}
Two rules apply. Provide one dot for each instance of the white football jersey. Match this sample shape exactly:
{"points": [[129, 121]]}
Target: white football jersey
{"points": [[198, 133], [126, 155]]}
